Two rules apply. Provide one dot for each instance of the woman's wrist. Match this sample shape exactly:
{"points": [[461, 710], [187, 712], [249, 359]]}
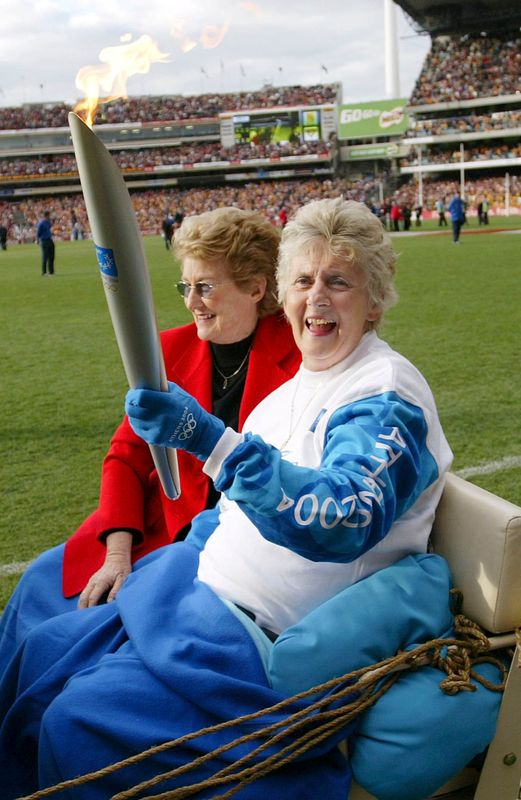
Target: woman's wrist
{"points": [[119, 542]]}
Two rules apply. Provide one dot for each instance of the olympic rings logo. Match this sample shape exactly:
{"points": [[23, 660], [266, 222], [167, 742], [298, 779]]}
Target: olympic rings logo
{"points": [[188, 427]]}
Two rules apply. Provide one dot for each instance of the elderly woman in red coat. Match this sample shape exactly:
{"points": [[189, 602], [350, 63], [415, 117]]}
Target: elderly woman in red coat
{"points": [[237, 350]]}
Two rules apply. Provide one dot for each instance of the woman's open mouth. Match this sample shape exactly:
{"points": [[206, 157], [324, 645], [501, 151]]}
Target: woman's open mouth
{"points": [[318, 326]]}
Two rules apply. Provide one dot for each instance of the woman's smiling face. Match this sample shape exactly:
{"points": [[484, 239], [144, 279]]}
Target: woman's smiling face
{"points": [[229, 313], [328, 307]]}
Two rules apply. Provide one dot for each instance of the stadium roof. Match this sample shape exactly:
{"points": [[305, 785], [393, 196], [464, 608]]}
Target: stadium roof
{"points": [[463, 16]]}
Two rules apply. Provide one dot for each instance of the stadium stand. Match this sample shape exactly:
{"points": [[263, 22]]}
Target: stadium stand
{"points": [[467, 67], [269, 197], [169, 108], [161, 159], [466, 121], [464, 131], [465, 108], [176, 146]]}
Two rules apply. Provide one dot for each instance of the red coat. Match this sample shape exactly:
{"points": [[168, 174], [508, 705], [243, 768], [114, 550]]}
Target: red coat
{"points": [[131, 496]]}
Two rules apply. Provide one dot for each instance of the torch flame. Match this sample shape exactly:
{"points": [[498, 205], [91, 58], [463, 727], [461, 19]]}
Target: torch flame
{"points": [[251, 7], [212, 35], [110, 78], [187, 45], [178, 32]]}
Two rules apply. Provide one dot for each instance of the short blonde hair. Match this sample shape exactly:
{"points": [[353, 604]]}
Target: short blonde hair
{"points": [[349, 231], [244, 240]]}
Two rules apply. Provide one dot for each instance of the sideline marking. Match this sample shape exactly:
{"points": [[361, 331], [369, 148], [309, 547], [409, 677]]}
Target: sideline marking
{"points": [[492, 466], [447, 232], [15, 568]]}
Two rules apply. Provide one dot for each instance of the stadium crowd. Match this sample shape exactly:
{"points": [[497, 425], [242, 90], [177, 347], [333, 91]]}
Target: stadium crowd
{"points": [[456, 68], [275, 199], [268, 197], [470, 123], [152, 157], [169, 107], [476, 189], [467, 67], [212, 152], [482, 152]]}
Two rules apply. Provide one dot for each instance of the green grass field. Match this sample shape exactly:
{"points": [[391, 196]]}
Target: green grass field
{"points": [[64, 386]]}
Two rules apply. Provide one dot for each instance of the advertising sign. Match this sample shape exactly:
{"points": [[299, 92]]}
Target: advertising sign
{"points": [[369, 151], [329, 122], [227, 135], [378, 118]]}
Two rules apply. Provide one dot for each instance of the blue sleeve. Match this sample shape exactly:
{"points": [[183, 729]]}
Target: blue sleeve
{"points": [[374, 466]]}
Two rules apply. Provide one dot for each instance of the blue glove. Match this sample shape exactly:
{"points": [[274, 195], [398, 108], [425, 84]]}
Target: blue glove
{"points": [[173, 419]]}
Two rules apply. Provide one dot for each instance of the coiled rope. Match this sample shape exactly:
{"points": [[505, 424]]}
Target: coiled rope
{"points": [[347, 697]]}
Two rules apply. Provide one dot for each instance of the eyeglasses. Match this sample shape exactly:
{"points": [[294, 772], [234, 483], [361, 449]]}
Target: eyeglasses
{"points": [[202, 289]]}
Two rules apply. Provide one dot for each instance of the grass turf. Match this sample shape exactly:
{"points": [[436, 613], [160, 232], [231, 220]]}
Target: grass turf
{"points": [[64, 384]]}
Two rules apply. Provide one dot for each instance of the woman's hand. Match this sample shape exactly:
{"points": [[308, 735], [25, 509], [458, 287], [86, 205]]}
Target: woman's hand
{"points": [[107, 581], [173, 419]]}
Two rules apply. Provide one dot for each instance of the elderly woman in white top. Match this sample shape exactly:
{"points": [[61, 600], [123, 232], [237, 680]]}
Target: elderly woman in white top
{"points": [[333, 484]]}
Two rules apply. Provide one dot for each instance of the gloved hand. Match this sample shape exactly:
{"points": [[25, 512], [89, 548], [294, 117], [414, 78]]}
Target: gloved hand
{"points": [[173, 419]]}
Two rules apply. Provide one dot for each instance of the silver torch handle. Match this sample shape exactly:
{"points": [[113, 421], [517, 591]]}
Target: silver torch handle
{"points": [[125, 277]]}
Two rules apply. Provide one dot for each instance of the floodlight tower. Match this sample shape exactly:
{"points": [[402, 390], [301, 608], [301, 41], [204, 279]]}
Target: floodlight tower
{"points": [[392, 72]]}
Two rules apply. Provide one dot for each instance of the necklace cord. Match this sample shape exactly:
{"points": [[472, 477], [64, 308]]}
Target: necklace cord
{"points": [[293, 424], [227, 378]]}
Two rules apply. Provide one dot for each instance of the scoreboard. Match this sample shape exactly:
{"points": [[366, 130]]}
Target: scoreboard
{"points": [[278, 125]]}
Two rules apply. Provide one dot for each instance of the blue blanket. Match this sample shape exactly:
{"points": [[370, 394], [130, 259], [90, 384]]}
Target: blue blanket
{"points": [[91, 687]]}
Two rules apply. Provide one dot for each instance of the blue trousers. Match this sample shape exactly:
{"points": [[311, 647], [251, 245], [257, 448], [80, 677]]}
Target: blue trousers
{"points": [[47, 248], [456, 228]]}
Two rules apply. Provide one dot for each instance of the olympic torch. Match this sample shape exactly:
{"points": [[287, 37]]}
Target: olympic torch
{"points": [[125, 277]]}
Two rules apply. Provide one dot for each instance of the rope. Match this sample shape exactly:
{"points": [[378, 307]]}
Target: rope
{"points": [[313, 724]]}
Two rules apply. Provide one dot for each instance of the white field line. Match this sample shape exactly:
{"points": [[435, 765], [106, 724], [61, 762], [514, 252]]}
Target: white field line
{"points": [[447, 232], [14, 569], [18, 567], [490, 467]]}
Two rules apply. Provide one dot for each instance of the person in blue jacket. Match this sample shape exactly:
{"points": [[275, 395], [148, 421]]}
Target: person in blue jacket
{"points": [[331, 486], [457, 215], [45, 239]]}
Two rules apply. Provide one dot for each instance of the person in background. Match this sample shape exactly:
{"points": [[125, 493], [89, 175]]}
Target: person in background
{"points": [[237, 350], [395, 216], [168, 229], [3, 237], [407, 215], [457, 216], [178, 219], [45, 239], [74, 227], [440, 208], [484, 210]]}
